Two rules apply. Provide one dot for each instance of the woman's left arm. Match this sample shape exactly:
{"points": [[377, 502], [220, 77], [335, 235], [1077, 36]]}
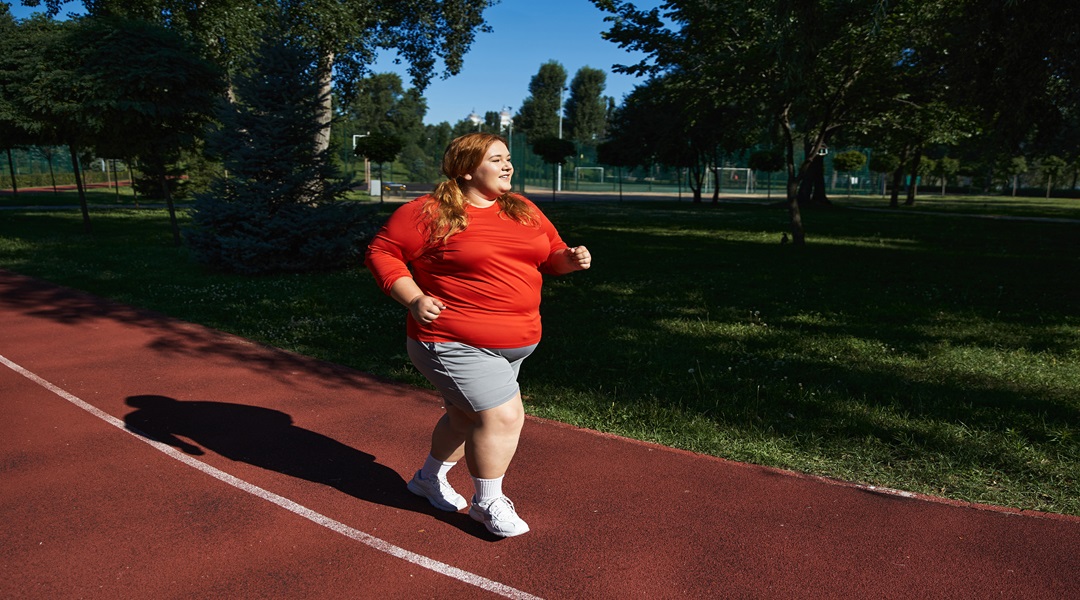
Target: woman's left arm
{"points": [[561, 260], [576, 258]]}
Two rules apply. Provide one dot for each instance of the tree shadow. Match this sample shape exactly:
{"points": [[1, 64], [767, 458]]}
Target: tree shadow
{"points": [[268, 439], [173, 337]]}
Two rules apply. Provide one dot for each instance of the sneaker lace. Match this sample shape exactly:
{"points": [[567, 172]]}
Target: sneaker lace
{"points": [[442, 486], [501, 509]]}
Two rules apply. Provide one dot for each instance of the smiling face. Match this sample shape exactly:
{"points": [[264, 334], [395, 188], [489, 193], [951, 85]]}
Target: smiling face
{"points": [[492, 178]]}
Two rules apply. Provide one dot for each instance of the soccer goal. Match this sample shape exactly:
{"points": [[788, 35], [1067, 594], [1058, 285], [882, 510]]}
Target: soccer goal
{"points": [[735, 177], [590, 179]]}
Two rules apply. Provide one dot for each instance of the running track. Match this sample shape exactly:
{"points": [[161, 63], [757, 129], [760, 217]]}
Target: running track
{"points": [[283, 477]]}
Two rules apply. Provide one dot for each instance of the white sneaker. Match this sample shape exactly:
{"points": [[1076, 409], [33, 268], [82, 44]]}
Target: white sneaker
{"points": [[438, 492], [499, 517]]}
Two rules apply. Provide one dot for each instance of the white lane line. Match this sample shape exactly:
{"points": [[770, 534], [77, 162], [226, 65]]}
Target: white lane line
{"points": [[336, 526]]}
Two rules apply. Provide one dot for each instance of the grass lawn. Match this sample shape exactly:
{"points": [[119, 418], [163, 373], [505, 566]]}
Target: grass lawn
{"points": [[912, 351]]}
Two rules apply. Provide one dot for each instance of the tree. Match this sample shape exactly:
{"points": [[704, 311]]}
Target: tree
{"points": [[882, 163], [153, 95], [343, 37], [848, 162], [944, 168], [1017, 62], [586, 108], [769, 161], [1012, 169], [615, 154], [812, 67], [45, 93], [276, 209], [538, 116], [381, 105], [553, 151], [1051, 168], [379, 148]]}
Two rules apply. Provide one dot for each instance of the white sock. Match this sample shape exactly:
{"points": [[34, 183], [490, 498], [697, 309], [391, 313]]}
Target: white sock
{"points": [[434, 467], [487, 489]]}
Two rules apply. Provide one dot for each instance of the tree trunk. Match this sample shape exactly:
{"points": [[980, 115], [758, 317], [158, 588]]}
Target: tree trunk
{"points": [[116, 180], [897, 182], [75, 166], [322, 138], [164, 182], [52, 174], [11, 168], [798, 234], [811, 191], [913, 189]]}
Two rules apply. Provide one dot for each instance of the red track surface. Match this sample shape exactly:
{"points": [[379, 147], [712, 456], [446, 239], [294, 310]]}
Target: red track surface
{"points": [[318, 507]]}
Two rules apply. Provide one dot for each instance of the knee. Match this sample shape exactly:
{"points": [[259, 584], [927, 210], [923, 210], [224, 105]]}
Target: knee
{"points": [[509, 416]]}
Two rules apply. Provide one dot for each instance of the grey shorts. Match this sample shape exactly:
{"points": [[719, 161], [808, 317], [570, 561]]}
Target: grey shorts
{"points": [[470, 378]]}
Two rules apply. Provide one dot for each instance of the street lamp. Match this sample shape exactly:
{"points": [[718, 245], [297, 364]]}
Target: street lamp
{"points": [[506, 121], [476, 119], [558, 175], [367, 163]]}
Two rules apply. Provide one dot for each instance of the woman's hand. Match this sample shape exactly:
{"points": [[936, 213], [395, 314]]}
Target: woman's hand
{"points": [[578, 258], [425, 309]]}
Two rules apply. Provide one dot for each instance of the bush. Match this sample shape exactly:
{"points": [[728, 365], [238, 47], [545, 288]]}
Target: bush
{"points": [[297, 237]]}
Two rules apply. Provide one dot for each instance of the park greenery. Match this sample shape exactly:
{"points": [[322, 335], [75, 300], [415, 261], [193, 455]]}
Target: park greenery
{"points": [[921, 351], [991, 78], [905, 349]]}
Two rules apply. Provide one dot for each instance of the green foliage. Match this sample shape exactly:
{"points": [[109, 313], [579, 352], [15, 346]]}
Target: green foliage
{"points": [[379, 147], [849, 161], [766, 160], [539, 113], [586, 108], [884, 162], [552, 150], [848, 359], [277, 209]]}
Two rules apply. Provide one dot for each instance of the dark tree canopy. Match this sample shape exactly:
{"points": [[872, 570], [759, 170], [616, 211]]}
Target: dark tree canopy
{"points": [[277, 208]]}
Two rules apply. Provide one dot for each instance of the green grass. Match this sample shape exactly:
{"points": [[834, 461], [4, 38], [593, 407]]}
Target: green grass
{"points": [[937, 355], [1057, 208], [99, 197]]}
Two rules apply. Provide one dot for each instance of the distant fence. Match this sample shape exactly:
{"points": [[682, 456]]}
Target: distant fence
{"points": [[51, 165]]}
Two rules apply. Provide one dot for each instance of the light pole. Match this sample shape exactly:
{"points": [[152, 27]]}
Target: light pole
{"points": [[367, 163], [506, 121], [558, 167]]}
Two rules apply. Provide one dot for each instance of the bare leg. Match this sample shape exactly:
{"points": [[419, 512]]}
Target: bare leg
{"points": [[492, 439], [448, 437]]}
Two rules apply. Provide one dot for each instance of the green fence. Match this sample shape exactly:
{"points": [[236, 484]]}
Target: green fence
{"points": [[47, 166]]}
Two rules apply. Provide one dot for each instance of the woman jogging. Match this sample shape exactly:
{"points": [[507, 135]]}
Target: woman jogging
{"points": [[468, 262]]}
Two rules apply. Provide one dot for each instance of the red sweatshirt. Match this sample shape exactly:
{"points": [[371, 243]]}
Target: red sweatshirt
{"points": [[489, 275]]}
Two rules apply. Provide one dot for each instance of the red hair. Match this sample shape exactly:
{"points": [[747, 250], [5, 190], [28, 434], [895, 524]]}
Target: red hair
{"points": [[446, 207]]}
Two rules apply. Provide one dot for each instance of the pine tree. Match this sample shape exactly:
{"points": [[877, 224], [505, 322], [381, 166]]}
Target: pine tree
{"points": [[278, 206]]}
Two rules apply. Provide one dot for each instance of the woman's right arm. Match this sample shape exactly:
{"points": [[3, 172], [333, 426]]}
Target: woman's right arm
{"points": [[423, 308], [387, 259]]}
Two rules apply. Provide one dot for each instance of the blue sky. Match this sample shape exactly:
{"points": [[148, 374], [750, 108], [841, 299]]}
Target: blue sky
{"points": [[499, 65]]}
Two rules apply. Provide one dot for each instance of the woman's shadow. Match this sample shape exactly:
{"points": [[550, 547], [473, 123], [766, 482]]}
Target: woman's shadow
{"points": [[267, 438]]}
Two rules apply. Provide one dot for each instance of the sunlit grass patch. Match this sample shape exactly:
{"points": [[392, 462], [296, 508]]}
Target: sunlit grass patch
{"points": [[938, 355]]}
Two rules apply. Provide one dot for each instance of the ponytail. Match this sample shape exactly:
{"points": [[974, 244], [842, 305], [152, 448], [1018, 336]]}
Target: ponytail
{"points": [[445, 208]]}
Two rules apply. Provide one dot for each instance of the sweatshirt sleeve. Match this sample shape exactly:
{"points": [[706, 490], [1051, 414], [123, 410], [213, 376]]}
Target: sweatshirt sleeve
{"points": [[397, 243]]}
